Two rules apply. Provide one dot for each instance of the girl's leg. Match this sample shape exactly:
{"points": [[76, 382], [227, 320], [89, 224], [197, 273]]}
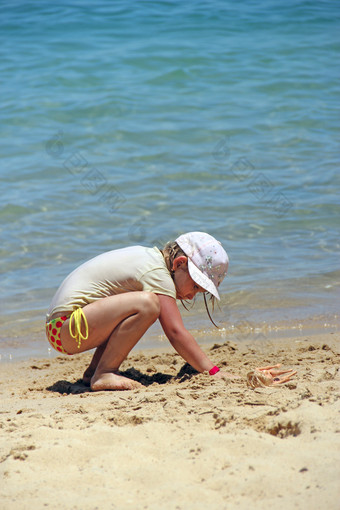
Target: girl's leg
{"points": [[88, 374], [119, 322], [119, 345]]}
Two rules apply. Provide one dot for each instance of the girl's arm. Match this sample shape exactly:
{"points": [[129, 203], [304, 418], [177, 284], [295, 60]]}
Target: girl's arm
{"points": [[179, 337]]}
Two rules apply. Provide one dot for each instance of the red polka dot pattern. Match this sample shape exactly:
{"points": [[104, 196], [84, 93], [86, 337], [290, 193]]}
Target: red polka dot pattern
{"points": [[53, 333]]}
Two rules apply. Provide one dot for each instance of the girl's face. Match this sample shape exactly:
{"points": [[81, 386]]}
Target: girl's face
{"points": [[186, 288]]}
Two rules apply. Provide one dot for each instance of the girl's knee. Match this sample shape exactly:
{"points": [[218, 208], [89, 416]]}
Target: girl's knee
{"points": [[151, 305]]}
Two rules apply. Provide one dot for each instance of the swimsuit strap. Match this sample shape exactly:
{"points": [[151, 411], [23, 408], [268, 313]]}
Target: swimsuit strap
{"points": [[77, 316]]}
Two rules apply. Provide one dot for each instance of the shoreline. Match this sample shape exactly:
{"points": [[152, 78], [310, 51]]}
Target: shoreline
{"points": [[184, 440], [20, 348]]}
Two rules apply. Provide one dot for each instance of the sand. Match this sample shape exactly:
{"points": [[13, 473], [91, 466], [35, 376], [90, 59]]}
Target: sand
{"points": [[184, 441]]}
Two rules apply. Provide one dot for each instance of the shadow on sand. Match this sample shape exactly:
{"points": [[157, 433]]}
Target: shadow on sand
{"points": [[66, 387]]}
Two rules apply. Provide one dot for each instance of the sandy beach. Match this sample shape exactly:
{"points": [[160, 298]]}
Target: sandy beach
{"points": [[186, 440]]}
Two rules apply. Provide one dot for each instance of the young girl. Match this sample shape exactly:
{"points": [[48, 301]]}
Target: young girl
{"points": [[110, 301]]}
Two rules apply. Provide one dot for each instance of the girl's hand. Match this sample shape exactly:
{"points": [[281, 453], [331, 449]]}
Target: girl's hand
{"points": [[225, 375]]}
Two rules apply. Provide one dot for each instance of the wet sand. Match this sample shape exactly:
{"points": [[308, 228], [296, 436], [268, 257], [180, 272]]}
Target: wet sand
{"points": [[185, 440]]}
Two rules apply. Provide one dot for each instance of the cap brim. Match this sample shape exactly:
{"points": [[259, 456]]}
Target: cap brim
{"points": [[202, 280]]}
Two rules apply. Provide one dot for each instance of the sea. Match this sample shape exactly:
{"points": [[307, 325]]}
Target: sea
{"points": [[126, 123]]}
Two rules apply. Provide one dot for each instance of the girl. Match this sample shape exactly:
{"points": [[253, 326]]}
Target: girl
{"points": [[110, 301]]}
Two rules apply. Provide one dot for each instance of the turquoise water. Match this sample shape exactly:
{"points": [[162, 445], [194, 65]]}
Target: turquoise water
{"points": [[131, 122]]}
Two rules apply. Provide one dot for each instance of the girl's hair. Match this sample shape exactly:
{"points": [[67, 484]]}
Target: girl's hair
{"points": [[171, 251]]}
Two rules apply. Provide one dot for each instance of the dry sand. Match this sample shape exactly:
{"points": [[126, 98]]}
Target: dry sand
{"points": [[185, 441]]}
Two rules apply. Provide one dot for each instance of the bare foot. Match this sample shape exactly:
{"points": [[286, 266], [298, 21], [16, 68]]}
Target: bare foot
{"points": [[113, 381]]}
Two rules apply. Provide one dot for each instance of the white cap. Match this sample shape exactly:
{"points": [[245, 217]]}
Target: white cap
{"points": [[207, 260]]}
